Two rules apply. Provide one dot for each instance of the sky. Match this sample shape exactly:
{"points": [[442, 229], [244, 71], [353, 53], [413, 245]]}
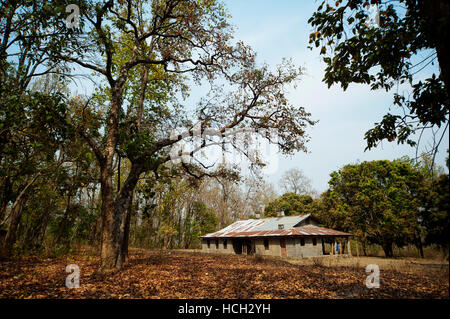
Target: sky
{"points": [[279, 29]]}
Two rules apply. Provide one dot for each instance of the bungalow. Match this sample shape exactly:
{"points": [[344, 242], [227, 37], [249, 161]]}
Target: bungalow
{"points": [[292, 236]]}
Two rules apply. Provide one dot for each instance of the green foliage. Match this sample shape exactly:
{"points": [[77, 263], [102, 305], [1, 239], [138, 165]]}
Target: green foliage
{"points": [[205, 218], [381, 56], [172, 217], [437, 223], [291, 204], [436, 219], [35, 141], [434, 198], [204, 221], [40, 209], [377, 201]]}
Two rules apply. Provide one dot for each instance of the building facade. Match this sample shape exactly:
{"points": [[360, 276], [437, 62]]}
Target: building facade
{"points": [[290, 236]]}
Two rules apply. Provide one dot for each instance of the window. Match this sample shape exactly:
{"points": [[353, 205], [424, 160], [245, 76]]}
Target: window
{"points": [[314, 242], [266, 244], [217, 244], [302, 241], [225, 244], [208, 243], [280, 226]]}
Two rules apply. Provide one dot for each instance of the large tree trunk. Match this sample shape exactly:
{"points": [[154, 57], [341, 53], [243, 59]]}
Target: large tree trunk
{"points": [[109, 237], [111, 217], [114, 218]]}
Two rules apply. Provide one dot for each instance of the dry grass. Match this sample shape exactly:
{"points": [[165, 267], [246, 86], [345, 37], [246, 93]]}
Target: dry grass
{"points": [[406, 265]]}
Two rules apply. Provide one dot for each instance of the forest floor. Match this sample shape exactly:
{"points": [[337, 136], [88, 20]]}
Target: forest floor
{"points": [[191, 274]]}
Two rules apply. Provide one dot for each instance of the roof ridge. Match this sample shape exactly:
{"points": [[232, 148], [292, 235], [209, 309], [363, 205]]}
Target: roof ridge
{"points": [[276, 217]]}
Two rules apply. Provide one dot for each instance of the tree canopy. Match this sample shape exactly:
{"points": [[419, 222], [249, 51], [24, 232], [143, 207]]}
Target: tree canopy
{"points": [[385, 51], [291, 204], [377, 201]]}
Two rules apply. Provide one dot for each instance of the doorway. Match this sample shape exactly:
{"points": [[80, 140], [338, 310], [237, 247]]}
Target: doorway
{"points": [[249, 247], [283, 246], [237, 246]]}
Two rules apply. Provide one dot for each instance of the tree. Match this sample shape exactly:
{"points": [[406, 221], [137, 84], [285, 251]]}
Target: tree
{"points": [[292, 204], [295, 181], [258, 193], [377, 201], [433, 213], [203, 221], [169, 41], [386, 53], [224, 196], [49, 170], [172, 215], [436, 220], [28, 152], [30, 131]]}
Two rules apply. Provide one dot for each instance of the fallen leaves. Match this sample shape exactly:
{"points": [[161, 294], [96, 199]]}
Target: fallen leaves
{"points": [[152, 274]]}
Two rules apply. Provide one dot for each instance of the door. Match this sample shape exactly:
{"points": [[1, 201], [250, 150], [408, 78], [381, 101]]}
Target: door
{"points": [[237, 246], [283, 246]]}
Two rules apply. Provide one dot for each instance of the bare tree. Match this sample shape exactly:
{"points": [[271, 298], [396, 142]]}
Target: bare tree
{"points": [[257, 194], [295, 181]]}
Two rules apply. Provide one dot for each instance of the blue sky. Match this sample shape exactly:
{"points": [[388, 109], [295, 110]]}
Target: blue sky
{"points": [[277, 29]]}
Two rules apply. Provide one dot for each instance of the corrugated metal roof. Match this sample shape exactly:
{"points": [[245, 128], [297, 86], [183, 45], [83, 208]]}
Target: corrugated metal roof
{"points": [[318, 231], [272, 223], [269, 227]]}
